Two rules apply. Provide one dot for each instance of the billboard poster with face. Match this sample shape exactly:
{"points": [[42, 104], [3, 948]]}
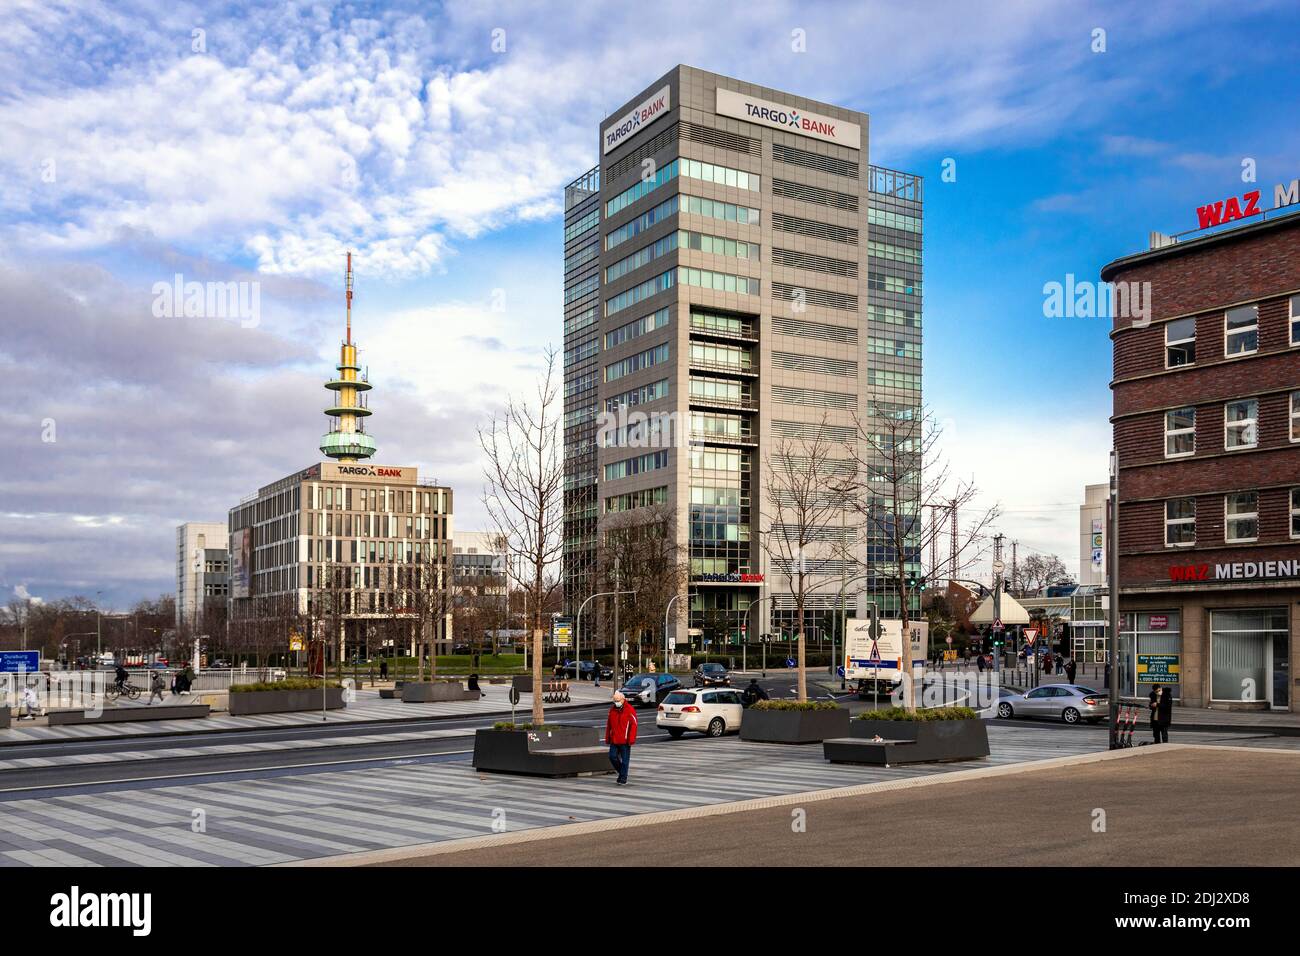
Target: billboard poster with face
{"points": [[241, 563]]}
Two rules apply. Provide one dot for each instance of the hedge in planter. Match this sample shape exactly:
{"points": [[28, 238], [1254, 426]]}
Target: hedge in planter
{"points": [[893, 736], [285, 696], [794, 722], [547, 751]]}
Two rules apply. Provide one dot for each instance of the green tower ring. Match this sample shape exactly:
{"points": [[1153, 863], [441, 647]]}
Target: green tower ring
{"points": [[338, 383], [347, 445], [358, 410]]}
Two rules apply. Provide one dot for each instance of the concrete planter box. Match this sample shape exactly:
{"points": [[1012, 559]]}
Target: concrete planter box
{"points": [[427, 692], [284, 701], [113, 715], [558, 752], [522, 683], [5, 717], [910, 741], [794, 726]]}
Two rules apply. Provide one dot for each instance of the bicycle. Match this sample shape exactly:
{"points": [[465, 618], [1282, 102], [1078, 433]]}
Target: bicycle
{"points": [[114, 691]]}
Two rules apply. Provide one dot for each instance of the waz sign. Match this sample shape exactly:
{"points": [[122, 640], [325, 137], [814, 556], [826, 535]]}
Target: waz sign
{"points": [[1236, 571], [1233, 208]]}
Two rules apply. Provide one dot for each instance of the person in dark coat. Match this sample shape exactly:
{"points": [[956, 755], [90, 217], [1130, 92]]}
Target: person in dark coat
{"points": [[1161, 703], [979, 662], [753, 693], [1070, 668], [383, 670]]}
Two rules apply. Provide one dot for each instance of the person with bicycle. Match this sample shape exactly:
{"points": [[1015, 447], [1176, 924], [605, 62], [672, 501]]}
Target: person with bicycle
{"points": [[121, 678]]}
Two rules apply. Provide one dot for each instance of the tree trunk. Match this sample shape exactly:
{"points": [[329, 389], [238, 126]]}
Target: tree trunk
{"points": [[538, 717], [803, 673]]}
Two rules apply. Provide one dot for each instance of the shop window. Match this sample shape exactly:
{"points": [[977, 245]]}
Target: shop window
{"points": [[1241, 330], [1240, 424], [1295, 512]]}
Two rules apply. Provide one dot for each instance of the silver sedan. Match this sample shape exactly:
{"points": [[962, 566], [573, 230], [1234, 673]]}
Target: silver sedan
{"points": [[1068, 702]]}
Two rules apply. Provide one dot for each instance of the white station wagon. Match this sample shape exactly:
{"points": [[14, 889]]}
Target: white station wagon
{"points": [[709, 710]]}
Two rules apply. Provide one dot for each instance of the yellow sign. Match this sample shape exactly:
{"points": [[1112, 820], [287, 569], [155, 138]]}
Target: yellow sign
{"points": [[296, 642]]}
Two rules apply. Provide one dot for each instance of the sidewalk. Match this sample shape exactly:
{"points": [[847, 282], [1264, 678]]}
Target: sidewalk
{"points": [[369, 707]]}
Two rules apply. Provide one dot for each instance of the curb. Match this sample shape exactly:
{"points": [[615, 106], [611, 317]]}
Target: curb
{"points": [[385, 721]]}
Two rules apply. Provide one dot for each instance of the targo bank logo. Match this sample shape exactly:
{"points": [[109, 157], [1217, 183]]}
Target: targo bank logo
{"points": [[792, 118], [76, 909]]}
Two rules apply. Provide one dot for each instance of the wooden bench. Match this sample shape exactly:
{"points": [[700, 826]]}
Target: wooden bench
{"points": [[555, 692]]}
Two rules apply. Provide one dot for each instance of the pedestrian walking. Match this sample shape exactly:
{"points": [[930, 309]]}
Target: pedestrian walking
{"points": [[1162, 707], [620, 734], [156, 687], [383, 670], [979, 662], [30, 702], [595, 672], [1071, 668]]}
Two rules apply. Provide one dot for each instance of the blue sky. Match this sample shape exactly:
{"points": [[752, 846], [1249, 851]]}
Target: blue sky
{"points": [[262, 147]]}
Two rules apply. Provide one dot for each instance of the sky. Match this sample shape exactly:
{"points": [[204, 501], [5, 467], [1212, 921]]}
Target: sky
{"points": [[255, 143]]}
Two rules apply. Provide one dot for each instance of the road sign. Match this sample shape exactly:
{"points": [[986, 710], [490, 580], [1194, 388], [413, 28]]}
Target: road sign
{"points": [[997, 624], [789, 662], [624, 647], [12, 662], [1031, 634], [998, 568], [514, 696], [948, 639], [296, 642], [561, 632]]}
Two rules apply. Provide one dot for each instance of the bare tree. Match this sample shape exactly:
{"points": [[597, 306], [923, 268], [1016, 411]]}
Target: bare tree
{"points": [[639, 552], [524, 496], [904, 474], [426, 584], [1038, 571], [808, 482]]}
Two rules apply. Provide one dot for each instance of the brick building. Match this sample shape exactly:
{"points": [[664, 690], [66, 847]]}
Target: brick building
{"points": [[1207, 431]]}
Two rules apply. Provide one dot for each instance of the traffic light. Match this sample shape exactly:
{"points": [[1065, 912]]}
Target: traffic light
{"points": [[920, 583]]}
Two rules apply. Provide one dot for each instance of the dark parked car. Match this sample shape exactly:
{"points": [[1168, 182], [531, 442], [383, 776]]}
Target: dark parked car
{"points": [[647, 690], [712, 675], [584, 670]]}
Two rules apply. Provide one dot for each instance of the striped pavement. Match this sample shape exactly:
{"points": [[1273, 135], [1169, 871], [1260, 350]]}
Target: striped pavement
{"points": [[277, 817], [368, 706]]}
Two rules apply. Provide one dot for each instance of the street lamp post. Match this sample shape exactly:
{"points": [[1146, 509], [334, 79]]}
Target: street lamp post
{"points": [[577, 638], [667, 611], [748, 610]]}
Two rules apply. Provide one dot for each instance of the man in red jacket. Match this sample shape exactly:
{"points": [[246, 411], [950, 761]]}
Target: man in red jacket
{"points": [[620, 734]]}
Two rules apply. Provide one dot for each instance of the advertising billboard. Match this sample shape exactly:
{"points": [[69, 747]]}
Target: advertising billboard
{"points": [[241, 563]]}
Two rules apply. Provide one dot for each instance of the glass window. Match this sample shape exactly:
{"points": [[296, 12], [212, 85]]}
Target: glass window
{"points": [[1295, 512], [1295, 320], [1241, 516], [1295, 416], [1241, 330], [1180, 522], [1241, 642], [1240, 421], [1180, 432], [1180, 343]]}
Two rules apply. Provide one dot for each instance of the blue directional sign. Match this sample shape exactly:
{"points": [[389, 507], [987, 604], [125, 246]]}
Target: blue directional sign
{"points": [[12, 662], [789, 662]]}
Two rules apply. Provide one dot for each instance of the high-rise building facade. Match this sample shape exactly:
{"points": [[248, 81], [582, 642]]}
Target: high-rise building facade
{"points": [[355, 553], [202, 567], [722, 296]]}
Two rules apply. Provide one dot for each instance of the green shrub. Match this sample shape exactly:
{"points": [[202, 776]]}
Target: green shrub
{"points": [[507, 725], [795, 705], [933, 713], [292, 683]]}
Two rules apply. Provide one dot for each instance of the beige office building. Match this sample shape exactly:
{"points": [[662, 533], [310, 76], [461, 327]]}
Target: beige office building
{"points": [[719, 280]]}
